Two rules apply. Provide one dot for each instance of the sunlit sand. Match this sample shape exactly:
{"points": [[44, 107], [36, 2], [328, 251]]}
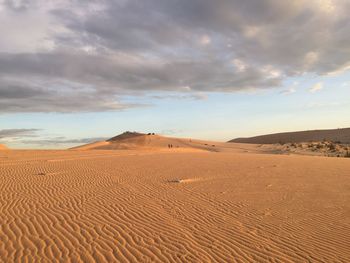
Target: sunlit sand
{"points": [[192, 203]]}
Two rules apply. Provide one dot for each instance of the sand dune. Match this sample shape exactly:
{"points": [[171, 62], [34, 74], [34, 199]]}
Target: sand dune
{"points": [[139, 141], [335, 135], [151, 142], [154, 206]]}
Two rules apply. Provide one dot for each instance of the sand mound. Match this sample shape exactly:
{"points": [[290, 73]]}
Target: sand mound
{"points": [[3, 147], [151, 142], [335, 135], [105, 206], [140, 141]]}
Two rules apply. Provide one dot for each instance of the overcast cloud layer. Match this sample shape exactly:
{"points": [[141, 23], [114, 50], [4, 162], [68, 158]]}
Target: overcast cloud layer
{"points": [[81, 56]]}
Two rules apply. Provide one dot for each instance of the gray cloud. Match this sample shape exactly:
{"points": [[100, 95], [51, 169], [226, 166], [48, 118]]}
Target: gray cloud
{"points": [[17, 133], [31, 137], [19, 5], [195, 96], [62, 140], [95, 52]]}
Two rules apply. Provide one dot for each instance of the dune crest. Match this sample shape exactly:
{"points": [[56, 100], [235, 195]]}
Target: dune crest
{"points": [[150, 141], [335, 135]]}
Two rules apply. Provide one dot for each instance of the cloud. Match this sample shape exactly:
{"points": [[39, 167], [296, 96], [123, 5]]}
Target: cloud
{"points": [[205, 40], [84, 56], [31, 137], [239, 65], [171, 132], [312, 105], [288, 91], [193, 96], [62, 140], [317, 87], [17, 133]]}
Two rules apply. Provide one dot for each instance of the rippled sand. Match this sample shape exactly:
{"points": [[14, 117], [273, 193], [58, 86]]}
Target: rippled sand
{"points": [[139, 206]]}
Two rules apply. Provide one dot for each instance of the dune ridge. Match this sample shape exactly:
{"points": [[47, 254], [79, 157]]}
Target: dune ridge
{"points": [[151, 141], [335, 135], [126, 135]]}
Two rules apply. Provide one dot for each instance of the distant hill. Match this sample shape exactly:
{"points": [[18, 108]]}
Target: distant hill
{"points": [[140, 141], [3, 147], [335, 135]]}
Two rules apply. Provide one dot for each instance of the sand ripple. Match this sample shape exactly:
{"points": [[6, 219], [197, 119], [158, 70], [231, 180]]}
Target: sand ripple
{"points": [[102, 206]]}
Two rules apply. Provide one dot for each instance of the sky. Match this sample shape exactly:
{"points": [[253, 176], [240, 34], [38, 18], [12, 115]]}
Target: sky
{"points": [[74, 71]]}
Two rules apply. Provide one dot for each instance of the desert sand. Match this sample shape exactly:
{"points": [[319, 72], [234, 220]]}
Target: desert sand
{"points": [[3, 147], [335, 135], [139, 141], [192, 203], [154, 142]]}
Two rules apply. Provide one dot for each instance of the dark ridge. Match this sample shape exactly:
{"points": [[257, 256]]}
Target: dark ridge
{"points": [[334, 135], [125, 135]]}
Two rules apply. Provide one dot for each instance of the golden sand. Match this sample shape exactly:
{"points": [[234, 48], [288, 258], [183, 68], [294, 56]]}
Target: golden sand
{"points": [[173, 206]]}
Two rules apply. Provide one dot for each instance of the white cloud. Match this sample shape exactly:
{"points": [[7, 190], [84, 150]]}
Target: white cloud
{"points": [[323, 104], [271, 72], [310, 59], [288, 91], [326, 6], [251, 31], [317, 87], [205, 40]]}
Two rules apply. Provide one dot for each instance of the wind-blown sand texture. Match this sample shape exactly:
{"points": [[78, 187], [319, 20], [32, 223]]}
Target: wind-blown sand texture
{"points": [[335, 135], [164, 206]]}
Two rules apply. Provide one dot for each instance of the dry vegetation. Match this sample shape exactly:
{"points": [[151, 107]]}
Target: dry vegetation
{"points": [[325, 148]]}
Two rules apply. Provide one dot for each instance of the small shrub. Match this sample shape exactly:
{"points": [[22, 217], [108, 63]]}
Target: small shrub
{"points": [[331, 147], [319, 146]]}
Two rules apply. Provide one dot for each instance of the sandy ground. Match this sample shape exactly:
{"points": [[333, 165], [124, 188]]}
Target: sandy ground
{"points": [[173, 206]]}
